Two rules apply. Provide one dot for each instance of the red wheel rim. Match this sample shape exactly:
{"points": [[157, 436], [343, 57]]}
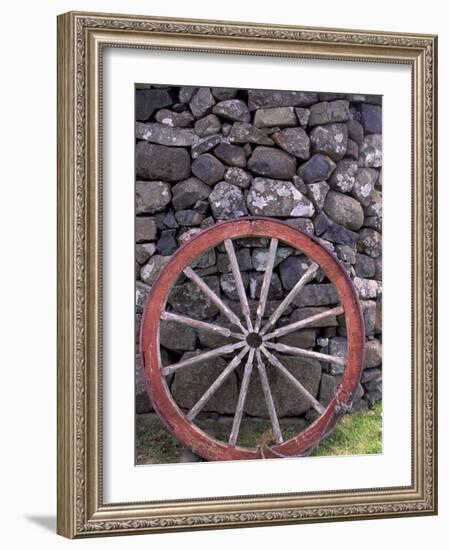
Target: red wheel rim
{"points": [[173, 417]]}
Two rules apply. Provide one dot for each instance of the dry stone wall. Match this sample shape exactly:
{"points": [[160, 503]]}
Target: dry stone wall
{"points": [[311, 159]]}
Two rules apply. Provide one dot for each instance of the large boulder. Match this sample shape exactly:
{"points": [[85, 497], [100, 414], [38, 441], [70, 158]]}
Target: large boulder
{"points": [[270, 197], [272, 163], [158, 162], [344, 210]]}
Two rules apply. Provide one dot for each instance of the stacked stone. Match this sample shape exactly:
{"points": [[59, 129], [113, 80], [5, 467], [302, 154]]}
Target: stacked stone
{"points": [[311, 159]]}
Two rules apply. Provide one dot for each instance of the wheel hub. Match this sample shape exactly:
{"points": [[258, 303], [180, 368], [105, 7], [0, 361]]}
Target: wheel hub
{"points": [[254, 340]]}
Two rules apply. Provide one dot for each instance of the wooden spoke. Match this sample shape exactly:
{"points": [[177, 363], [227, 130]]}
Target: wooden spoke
{"points": [[308, 275], [188, 271], [218, 382], [268, 398], [242, 398], [282, 348], [201, 325], [266, 283], [223, 350], [289, 376], [303, 323], [238, 282]]}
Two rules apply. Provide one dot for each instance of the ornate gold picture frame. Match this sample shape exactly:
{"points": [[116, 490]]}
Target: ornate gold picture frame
{"points": [[82, 40]]}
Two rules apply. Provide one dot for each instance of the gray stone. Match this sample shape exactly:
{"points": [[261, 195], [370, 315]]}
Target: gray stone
{"points": [[328, 387], [373, 354], [274, 98], [338, 348], [189, 300], [275, 292], [144, 252], [298, 182], [344, 175], [371, 375], [152, 196], [231, 155], [292, 269], [344, 210], [176, 336], [317, 192], [378, 325], [375, 222], [142, 291], [305, 338], [208, 168], [158, 162], [299, 314], [186, 93], [365, 98], [366, 288], [345, 253], [287, 400], [189, 217], [147, 101], [303, 116], [243, 259], [278, 116], [293, 140], [221, 94], [363, 189], [212, 340], [272, 163], [232, 109], [318, 168], [163, 134], [371, 118], [169, 220], [202, 102], [187, 233], [374, 208], [142, 401], [303, 224], [355, 131], [205, 264], [370, 242], [317, 295], [186, 193], [171, 118], [352, 150], [326, 112], [228, 285], [201, 206], [146, 229], [378, 267], [269, 197], [259, 257], [152, 268], [166, 244], [227, 202], [238, 176], [208, 126], [206, 144], [330, 140], [371, 151], [364, 266], [191, 383], [243, 132]]}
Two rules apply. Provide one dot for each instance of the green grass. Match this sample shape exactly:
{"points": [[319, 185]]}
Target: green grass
{"points": [[358, 433]]}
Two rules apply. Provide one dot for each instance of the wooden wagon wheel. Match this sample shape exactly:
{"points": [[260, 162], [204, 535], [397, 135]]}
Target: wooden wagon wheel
{"points": [[251, 340]]}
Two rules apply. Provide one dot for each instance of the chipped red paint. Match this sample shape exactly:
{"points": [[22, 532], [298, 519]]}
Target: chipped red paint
{"points": [[165, 406]]}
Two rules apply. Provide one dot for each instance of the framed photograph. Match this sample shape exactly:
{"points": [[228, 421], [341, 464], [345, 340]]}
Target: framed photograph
{"points": [[246, 274]]}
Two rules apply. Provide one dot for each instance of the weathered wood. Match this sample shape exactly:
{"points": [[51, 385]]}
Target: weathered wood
{"points": [[201, 325], [268, 398], [242, 398], [290, 297], [282, 348], [266, 283], [289, 376], [223, 350], [238, 283], [303, 323], [216, 384], [188, 271]]}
